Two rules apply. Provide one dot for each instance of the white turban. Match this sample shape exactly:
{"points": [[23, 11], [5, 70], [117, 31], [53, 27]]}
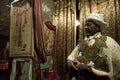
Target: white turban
{"points": [[96, 18]]}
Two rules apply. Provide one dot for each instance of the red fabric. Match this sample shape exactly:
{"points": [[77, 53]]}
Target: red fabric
{"points": [[50, 26], [51, 74], [4, 66], [38, 30]]}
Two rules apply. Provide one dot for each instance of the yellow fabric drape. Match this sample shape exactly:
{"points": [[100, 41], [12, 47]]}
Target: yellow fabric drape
{"points": [[63, 19]]}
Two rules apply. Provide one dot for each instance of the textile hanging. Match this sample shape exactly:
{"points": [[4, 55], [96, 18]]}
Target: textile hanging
{"points": [[38, 31], [63, 19]]}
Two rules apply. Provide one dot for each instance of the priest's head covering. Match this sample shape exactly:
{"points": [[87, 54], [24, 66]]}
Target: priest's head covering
{"points": [[97, 19]]}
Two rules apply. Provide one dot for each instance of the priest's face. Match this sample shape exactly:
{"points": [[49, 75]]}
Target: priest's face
{"points": [[91, 28]]}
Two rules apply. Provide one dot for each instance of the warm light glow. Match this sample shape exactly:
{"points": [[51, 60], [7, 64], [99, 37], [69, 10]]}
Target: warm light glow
{"points": [[16, 0], [77, 23]]}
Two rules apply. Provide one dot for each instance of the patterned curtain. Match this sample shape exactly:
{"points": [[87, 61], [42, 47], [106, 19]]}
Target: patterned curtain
{"points": [[63, 19]]}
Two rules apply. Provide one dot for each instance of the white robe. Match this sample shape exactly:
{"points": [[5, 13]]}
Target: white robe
{"points": [[111, 52]]}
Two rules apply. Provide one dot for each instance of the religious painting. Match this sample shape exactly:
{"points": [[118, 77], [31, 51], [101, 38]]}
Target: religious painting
{"points": [[21, 29], [21, 69], [49, 36]]}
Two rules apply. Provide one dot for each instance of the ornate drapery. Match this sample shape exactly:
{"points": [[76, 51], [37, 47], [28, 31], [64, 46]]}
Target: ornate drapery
{"points": [[63, 19]]}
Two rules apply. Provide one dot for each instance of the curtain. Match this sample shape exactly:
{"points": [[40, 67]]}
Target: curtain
{"points": [[63, 19], [38, 31]]}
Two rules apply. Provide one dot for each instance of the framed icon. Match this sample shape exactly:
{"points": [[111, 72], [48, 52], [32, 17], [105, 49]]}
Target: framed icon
{"points": [[21, 69], [21, 31], [50, 37]]}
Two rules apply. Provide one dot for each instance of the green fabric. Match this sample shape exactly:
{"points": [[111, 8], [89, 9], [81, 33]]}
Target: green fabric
{"points": [[44, 65]]}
